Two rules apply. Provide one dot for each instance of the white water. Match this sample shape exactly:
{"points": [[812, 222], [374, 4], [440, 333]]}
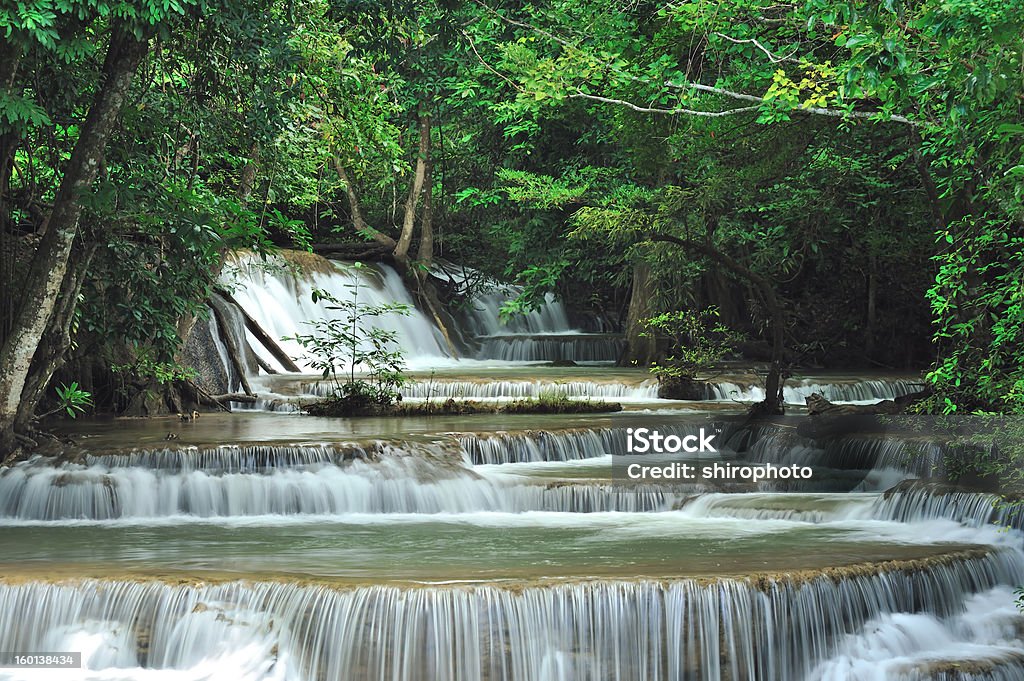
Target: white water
{"points": [[389, 486], [797, 392], [280, 300], [482, 312], [564, 471], [646, 390], [543, 334], [477, 494], [907, 645], [654, 631]]}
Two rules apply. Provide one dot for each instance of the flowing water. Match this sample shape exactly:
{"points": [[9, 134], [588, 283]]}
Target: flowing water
{"points": [[280, 547]]}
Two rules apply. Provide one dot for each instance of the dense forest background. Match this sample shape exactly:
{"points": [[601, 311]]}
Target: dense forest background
{"points": [[843, 181]]}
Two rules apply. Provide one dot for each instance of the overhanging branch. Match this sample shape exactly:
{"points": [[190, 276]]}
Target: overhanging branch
{"points": [[681, 111], [835, 113], [666, 112], [771, 57]]}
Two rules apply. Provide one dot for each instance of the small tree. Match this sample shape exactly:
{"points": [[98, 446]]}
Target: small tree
{"points": [[338, 346], [695, 340]]}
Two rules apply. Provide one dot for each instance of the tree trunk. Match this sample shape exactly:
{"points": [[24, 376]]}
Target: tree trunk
{"points": [[262, 336], [358, 221], [426, 251], [640, 349], [872, 313], [927, 182], [412, 201], [10, 59], [46, 272], [428, 294], [247, 178], [221, 317], [50, 355]]}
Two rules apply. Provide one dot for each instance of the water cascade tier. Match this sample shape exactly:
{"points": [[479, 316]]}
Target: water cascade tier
{"points": [[513, 471], [275, 547], [770, 627], [277, 295], [541, 334], [796, 391], [627, 386]]}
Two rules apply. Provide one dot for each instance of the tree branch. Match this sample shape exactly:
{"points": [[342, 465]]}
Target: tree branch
{"points": [[667, 112], [771, 57], [358, 221], [835, 113]]}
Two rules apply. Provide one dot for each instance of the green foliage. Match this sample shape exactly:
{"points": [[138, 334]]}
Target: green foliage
{"points": [[72, 399], [553, 167], [978, 302], [352, 342], [66, 33], [695, 341], [147, 369]]}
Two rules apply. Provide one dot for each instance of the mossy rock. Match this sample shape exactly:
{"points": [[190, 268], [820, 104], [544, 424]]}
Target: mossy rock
{"points": [[681, 388]]}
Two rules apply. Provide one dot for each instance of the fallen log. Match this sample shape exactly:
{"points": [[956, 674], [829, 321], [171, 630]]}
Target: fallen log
{"points": [[262, 336], [263, 363], [235, 397], [355, 251], [220, 315]]}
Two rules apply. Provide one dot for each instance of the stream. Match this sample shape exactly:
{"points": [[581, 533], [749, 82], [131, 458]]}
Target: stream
{"points": [[267, 545]]}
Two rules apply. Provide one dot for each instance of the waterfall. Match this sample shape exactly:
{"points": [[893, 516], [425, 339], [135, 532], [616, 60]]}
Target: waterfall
{"points": [[277, 295], [866, 452], [913, 505], [542, 334], [982, 642], [99, 493], [576, 347], [567, 445], [862, 391], [969, 508], [318, 480], [770, 628], [235, 458], [442, 389], [482, 310]]}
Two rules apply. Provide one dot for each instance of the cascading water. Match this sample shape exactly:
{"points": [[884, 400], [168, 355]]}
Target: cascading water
{"points": [[509, 472], [391, 485], [646, 390], [567, 445], [278, 295], [542, 334], [459, 550], [981, 642], [797, 392], [775, 629], [576, 347]]}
